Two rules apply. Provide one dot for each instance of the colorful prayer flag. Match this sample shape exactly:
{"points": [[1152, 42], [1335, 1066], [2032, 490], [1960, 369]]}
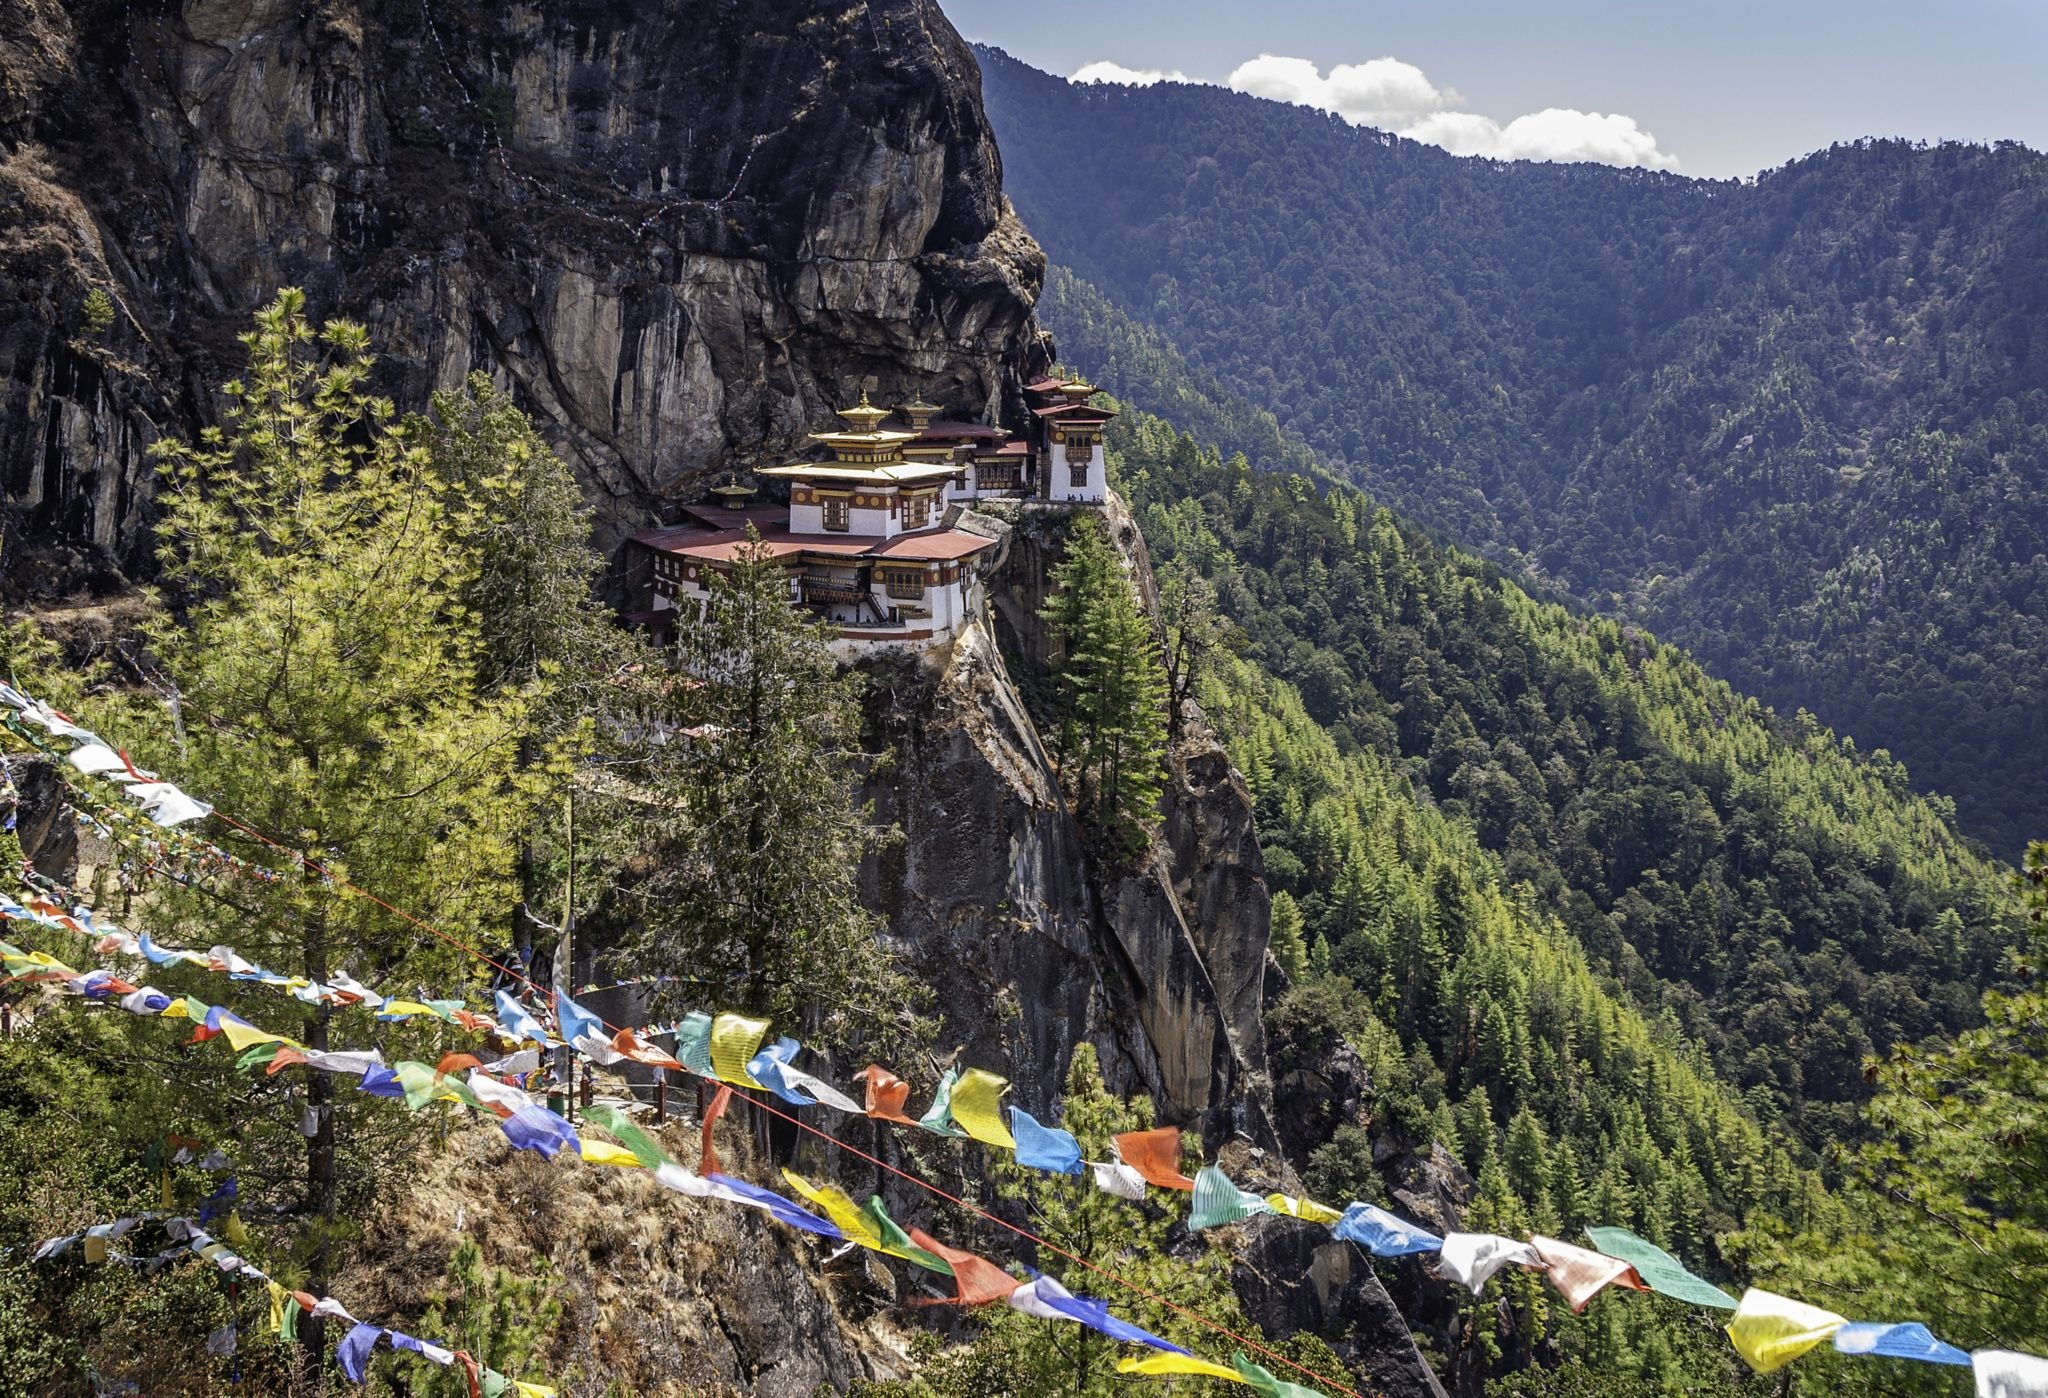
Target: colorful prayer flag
{"points": [[1770, 1331]]}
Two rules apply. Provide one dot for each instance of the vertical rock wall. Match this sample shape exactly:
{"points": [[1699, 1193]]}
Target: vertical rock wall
{"points": [[682, 231]]}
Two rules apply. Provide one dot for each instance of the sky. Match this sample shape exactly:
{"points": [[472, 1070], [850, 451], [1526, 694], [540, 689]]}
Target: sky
{"points": [[1715, 88]]}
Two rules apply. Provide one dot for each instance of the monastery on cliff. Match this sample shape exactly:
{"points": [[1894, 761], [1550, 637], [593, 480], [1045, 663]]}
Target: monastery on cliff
{"points": [[869, 537]]}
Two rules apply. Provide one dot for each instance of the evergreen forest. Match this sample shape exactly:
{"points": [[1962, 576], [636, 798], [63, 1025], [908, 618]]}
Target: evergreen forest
{"points": [[1793, 424]]}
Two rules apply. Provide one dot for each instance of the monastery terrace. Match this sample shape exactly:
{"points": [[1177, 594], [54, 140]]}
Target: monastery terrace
{"points": [[872, 536]]}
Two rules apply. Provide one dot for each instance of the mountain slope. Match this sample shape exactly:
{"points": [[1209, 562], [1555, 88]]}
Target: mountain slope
{"points": [[1789, 903], [1796, 425]]}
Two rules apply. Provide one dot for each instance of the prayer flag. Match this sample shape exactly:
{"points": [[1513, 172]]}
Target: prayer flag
{"points": [[1770, 1331], [707, 1149], [977, 1109], [693, 1044], [1159, 1366], [243, 1035], [734, 1040], [2001, 1373], [517, 1021], [1908, 1341], [856, 1226], [897, 1243], [613, 1121], [1043, 1147], [353, 1353], [378, 1081], [1048, 1300], [1266, 1384], [1218, 1201], [1580, 1274], [1307, 1210], [1155, 1154], [575, 1021], [1659, 1270], [629, 1045], [605, 1153], [1473, 1258], [222, 1341], [538, 1129], [978, 1281], [443, 1357], [886, 1093], [1116, 1178], [1383, 1234], [938, 1117], [780, 1209], [424, 1084]]}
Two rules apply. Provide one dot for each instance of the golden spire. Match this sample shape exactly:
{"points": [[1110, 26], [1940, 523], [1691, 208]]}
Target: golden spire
{"points": [[864, 416]]}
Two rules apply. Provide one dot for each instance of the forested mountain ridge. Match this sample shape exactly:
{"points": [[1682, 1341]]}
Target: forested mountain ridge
{"points": [[1795, 425], [1780, 899]]}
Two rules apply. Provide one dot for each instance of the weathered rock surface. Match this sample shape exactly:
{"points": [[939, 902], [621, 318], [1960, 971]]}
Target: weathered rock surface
{"points": [[681, 231], [1294, 1278]]}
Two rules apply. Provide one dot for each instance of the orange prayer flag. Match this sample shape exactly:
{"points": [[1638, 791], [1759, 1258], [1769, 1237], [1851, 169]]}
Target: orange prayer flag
{"points": [[305, 1300], [1154, 1154], [455, 1062], [887, 1094], [980, 1280], [628, 1043], [285, 1057], [707, 1158]]}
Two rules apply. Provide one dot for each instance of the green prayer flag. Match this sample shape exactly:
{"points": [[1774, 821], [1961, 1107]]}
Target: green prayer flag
{"points": [[288, 1331], [938, 1118], [1266, 1384], [613, 1122], [495, 1383], [1218, 1201], [257, 1055], [895, 1240], [423, 1083], [1660, 1271]]}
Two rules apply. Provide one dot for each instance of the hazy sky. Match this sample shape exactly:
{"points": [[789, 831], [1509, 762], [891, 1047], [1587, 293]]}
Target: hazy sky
{"points": [[1715, 87]]}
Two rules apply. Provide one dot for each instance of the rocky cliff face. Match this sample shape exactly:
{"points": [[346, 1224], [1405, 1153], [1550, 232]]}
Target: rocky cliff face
{"points": [[681, 231]]}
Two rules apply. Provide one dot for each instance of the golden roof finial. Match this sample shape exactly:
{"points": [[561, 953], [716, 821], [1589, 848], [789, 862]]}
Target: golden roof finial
{"points": [[864, 416]]}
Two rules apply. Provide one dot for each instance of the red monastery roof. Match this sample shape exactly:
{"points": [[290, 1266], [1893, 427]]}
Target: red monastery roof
{"points": [[1062, 409], [947, 431], [722, 546]]}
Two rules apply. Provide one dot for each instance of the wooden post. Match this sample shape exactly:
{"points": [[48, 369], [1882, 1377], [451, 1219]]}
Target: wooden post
{"points": [[661, 1096]]}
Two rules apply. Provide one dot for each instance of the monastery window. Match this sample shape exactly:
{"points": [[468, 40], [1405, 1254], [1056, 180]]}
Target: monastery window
{"points": [[838, 515], [916, 510], [1077, 471], [905, 583]]}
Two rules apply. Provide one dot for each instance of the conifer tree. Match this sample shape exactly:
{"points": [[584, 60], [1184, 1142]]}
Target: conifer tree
{"points": [[325, 660], [745, 884], [1113, 720]]}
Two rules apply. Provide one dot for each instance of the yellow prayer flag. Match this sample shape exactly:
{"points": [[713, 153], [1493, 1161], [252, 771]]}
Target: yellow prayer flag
{"points": [[1770, 1331], [278, 1296], [1307, 1210], [734, 1040], [95, 1248], [1159, 1366], [532, 1390], [402, 1009], [234, 1230], [844, 1213], [605, 1153], [175, 1010], [245, 1036], [977, 1107]]}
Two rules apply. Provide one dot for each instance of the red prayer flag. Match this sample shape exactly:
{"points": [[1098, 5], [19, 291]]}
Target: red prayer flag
{"points": [[629, 1044], [980, 1280], [285, 1057], [707, 1158]]}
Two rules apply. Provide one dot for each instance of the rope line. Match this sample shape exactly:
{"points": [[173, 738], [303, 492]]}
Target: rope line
{"points": [[920, 1182]]}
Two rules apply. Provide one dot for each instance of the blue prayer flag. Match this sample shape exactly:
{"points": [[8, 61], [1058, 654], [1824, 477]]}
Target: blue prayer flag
{"points": [[1044, 1147], [380, 1081], [575, 1020], [514, 1019], [1907, 1341], [766, 1068], [353, 1353], [784, 1210], [538, 1129], [1382, 1234]]}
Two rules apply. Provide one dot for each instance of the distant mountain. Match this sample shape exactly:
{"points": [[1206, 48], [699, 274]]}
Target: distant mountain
{"points": [[1798, 425]]}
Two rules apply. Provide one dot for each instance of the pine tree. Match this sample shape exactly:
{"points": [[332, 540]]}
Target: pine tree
{"points": [[1113, 717], [326, 660], [745, 885]]}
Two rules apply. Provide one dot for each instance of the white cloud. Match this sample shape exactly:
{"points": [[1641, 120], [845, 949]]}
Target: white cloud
{"points": [[1104, 71], [1399, 97]]}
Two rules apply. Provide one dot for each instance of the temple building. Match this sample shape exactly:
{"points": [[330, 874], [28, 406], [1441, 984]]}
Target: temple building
{"points": [[871, 537]]}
